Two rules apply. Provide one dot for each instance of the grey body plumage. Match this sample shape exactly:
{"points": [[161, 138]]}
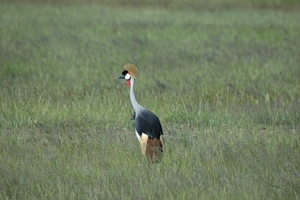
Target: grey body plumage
{"points": [[145, 121]]}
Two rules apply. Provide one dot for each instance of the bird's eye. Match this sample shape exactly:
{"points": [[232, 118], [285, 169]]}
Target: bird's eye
{"points": [[127, 76]]}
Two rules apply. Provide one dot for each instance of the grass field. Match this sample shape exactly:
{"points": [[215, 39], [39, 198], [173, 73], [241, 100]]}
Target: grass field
{"points": [[223, 77]]}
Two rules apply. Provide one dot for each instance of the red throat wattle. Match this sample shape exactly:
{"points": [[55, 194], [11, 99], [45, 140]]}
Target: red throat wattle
{"points": [[128, 81]]}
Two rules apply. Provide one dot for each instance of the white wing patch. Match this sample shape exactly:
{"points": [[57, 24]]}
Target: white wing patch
{"points": [[143, 142], [137, 135]]}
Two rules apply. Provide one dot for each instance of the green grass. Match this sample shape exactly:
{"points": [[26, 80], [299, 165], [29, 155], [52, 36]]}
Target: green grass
{"points": [[224, 80]]}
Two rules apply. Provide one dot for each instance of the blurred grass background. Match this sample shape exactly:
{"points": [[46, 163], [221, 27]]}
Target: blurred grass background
{"points": [[177, 4], [222, 76]]}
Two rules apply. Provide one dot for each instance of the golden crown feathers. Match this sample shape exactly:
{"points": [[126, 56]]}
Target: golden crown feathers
{"points": [[132, 69]]}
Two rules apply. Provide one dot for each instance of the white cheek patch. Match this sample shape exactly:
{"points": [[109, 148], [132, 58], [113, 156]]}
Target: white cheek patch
{"points": [[127, 76]]}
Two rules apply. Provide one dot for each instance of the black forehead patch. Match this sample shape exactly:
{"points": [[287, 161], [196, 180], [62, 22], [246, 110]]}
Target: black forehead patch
{"points": [[124, 72]]}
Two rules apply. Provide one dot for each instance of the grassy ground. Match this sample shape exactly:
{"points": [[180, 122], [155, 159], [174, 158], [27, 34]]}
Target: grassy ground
{"points": [[224, 82]]}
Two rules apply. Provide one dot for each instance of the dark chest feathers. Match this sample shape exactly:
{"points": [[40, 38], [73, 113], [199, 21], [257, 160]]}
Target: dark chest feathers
{"points": [[148, 123]]}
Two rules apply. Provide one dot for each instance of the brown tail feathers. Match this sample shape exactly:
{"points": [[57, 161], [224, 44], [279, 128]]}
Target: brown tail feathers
{"points": [[154, 150]]}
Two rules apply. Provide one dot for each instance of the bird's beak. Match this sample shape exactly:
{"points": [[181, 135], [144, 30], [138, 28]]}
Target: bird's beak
{"points": [[121, 77]]}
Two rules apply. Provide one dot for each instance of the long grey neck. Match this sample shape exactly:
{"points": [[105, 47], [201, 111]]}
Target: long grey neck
{"points": [[136, 106]]}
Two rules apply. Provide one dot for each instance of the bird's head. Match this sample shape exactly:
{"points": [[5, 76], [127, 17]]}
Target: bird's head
{"points": [[130, 71]]}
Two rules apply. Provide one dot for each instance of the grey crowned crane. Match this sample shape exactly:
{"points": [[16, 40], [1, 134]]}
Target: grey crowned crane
{"points": [[147, 125]]}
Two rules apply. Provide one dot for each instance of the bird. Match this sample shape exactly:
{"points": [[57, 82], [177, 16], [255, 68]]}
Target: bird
{"points": [[147, 125]]}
